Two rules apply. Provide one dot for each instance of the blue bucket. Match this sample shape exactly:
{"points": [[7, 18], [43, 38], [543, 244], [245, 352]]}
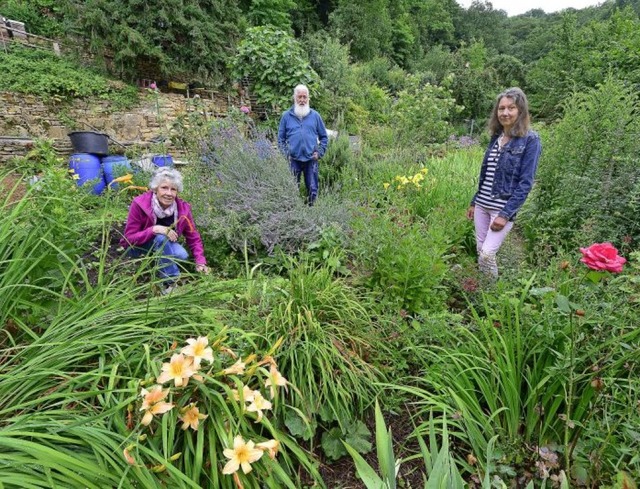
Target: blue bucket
{"points": [[87, 168], [162, 160], [115, 166]]}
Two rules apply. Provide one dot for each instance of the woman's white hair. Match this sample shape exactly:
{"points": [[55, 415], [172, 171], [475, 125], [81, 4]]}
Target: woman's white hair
{"points": [[165, 173]]}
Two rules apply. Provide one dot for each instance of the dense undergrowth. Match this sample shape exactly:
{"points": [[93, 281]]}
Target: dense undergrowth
{"points": [[370, 295]]}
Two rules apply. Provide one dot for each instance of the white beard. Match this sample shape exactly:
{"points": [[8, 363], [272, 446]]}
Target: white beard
{"points": [[301, 111]]}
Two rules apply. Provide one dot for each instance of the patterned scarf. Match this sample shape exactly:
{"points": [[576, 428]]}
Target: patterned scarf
{"points": [[159, 212]]}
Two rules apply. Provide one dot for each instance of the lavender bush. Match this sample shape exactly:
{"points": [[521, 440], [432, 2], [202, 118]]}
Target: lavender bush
{"points": [[242, 190]]}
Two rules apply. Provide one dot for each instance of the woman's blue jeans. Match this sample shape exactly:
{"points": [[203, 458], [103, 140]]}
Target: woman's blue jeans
{"points": [[168, 252]]}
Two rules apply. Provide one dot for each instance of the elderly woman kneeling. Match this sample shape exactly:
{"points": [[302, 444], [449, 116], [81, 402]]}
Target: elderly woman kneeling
{"points": [[157, 219]]}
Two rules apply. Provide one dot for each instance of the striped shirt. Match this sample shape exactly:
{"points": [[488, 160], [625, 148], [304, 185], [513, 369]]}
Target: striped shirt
{"points": [[484, 197]]}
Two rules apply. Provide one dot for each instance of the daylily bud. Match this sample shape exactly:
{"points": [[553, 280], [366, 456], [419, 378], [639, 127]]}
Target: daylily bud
{"points": [[597, 383]]}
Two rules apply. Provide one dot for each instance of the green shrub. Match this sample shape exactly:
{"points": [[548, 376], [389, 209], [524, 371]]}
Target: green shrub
{"points": [[406, 261], [422, 113], [330, 346], [242, 189], [44, 74], [337, 157], [588, 183], [276, 63]]}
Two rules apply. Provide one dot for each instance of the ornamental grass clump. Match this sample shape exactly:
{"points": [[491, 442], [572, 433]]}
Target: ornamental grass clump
{"points": [[243, 190]]}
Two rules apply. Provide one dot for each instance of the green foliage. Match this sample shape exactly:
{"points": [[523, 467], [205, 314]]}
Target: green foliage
{"points": [[330, 60], [166, 33], [422, 113], [440, 467], [583, 57], [474, 82], [405, 260], [47, 75], [275, 62], [365, 26], [272, 12], [355, 434], [588, 186], [337, 157], [41, 17], [329, 348], [242, 190]]}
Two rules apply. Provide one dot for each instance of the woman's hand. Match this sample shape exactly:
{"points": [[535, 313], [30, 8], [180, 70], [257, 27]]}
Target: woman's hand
{"points": [[168, 232], [202, 268], [470, 211], [498, 223]]}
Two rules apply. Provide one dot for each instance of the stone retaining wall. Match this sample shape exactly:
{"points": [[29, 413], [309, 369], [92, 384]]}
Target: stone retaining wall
{"points": [[27, 117]]}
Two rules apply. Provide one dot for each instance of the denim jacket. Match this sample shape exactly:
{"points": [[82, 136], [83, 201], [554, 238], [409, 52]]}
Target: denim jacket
{"points": [[515, 172]]}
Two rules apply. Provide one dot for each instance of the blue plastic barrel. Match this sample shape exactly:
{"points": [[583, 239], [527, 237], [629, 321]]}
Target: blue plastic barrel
{"points": [[162, 160], [86, 167], [115, 166]]}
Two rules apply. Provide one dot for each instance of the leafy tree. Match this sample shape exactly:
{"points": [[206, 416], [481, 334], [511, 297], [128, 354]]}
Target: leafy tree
{"points": [[276, 63], [271, 12], [434, 21], [365, 25], [588, 183], [583, 57], [481, 22], [184, 38], [475, 82], [330, 60], [41, 17], [422, 113]]}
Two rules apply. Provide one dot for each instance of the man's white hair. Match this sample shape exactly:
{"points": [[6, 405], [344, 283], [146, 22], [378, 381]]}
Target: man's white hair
{"points": [[300, 88]]}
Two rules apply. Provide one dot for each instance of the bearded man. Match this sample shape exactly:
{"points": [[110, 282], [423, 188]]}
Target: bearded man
{"points": [[302, 138]]}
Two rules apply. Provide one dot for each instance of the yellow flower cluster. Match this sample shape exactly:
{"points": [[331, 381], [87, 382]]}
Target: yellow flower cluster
{"points": [[186, 365], [402, 181]]}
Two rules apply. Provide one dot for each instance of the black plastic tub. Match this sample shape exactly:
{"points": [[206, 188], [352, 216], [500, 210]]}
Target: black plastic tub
{"points": [[96, 143]]}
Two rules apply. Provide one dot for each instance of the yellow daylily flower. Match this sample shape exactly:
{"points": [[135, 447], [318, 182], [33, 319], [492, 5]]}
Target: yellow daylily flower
{"points": [[236, 369], [247, 394], [258, 405], [386, 185], [199, 350], [153, 403], [191, 417], [275, 380], [179, 369], [271, 447], [243, 454], [152, 396]]}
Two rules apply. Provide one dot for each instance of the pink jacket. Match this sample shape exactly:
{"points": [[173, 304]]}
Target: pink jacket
{"points": [[140, 222]]}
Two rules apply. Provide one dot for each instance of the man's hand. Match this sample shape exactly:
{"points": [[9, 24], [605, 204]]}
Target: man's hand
{"points": [[315, 155], [498, 223]]}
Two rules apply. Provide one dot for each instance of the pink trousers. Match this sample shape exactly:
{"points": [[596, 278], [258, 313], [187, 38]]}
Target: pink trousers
{"points": [[488, 242]]}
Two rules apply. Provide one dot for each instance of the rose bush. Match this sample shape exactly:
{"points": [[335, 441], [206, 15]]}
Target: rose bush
{"points": [[602, 256]]}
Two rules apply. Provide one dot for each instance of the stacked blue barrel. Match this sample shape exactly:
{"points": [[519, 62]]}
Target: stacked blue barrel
{"points": [[93, 166], [85, 163]]}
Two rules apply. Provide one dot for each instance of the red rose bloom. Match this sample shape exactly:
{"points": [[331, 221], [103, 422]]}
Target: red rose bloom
{"points": [[602, 256]]}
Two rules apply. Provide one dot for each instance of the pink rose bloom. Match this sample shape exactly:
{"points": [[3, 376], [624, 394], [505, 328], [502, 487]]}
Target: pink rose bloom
{"points": [[602, 256], [245, 109]]}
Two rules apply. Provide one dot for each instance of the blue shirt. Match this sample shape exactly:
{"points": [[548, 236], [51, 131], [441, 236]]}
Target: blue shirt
{"points": [[299, 138]]}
